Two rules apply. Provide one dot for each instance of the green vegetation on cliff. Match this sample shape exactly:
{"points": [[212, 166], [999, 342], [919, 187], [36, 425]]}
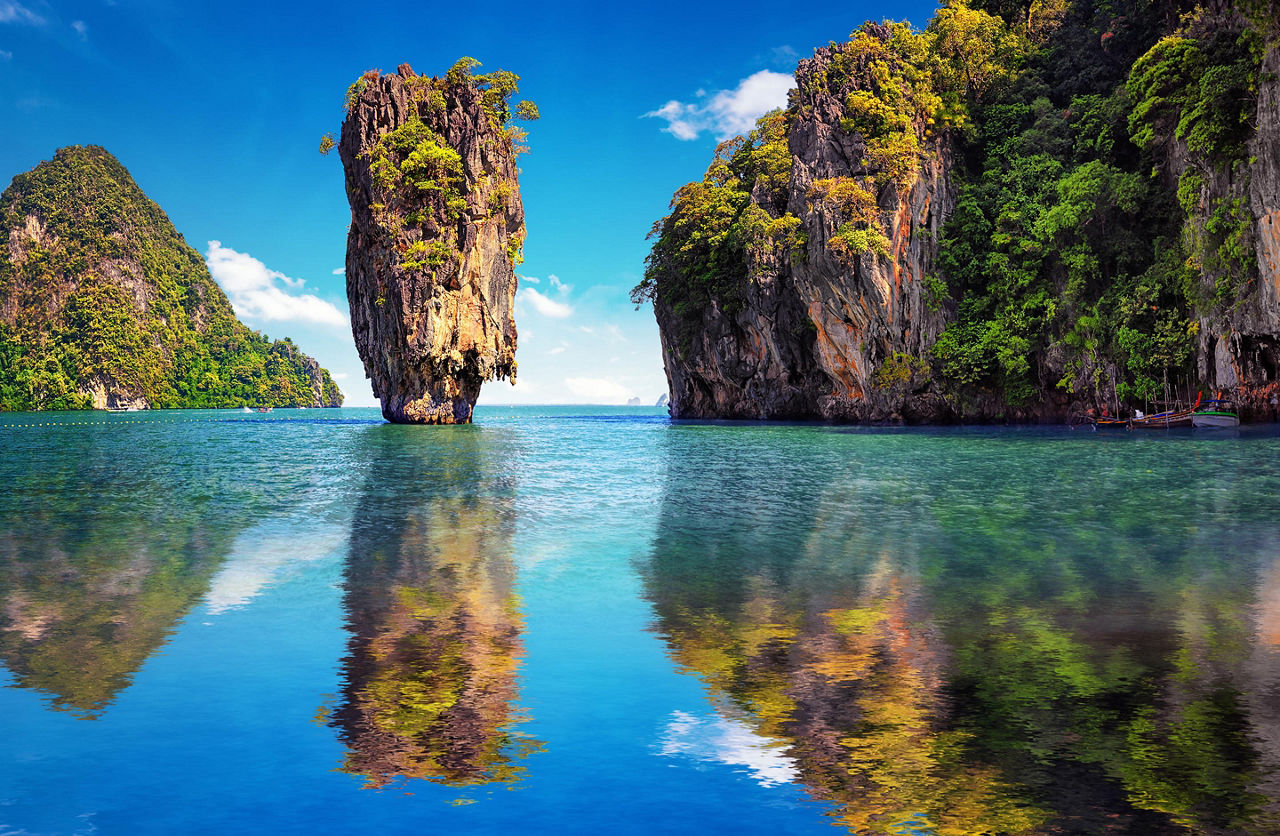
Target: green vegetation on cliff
{"points": [[414, 164], [99, 293], [1073, 257], [700, 251], [1099, 156]]}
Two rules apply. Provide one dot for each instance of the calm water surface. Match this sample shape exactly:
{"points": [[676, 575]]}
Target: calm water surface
{"points": [[583, 620]]}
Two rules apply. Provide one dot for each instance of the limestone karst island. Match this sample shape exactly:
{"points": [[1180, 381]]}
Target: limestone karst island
{"points": [[436, 233], [104, 305], [891, 444], [1019, 217]]}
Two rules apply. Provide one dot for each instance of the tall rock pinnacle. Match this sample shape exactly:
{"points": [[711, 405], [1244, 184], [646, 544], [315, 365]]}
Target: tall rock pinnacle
{"points": [[436, 231]]}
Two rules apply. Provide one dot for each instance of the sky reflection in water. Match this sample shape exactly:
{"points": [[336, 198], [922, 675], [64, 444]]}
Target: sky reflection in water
{"points": [[567, 618]]}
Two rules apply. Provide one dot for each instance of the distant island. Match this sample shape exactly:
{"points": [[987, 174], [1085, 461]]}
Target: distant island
{"points": [[1023, 212], [104, 305]]}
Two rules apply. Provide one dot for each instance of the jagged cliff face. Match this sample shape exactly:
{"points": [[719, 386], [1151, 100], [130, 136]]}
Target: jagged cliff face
{"points": [[436, 230], [103, 304], [1239, 349], [826, 308], [1007, 216]]}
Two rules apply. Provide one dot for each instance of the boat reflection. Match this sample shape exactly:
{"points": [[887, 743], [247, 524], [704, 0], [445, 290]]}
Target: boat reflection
{"points": [[972, 656], [430, 675]]}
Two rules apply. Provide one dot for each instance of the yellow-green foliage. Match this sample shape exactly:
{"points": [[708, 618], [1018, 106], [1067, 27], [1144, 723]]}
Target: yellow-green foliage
{"points": [[413, 155], [897, 87], [499, 196], [700, 252], [75, 324], [420, 188], [860, 228], [423, 255], [496, 89], [358, 87], [515, 248], [901, 369]]}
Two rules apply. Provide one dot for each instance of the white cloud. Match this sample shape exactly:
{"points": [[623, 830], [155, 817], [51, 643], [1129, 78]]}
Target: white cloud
{"points": [[730, 742], [598, 390], [262, 555], [255, 294], [82, 29], [18, 13], [557, 350], [6, 55], [728, 112], [339, 375], [544, 305], [341, 271]]}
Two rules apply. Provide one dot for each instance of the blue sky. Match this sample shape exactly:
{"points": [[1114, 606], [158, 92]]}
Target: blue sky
{"points": [[217, 109]]}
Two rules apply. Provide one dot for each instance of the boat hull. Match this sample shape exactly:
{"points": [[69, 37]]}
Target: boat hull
{"points": [[1215, 419], [1162, 422]]}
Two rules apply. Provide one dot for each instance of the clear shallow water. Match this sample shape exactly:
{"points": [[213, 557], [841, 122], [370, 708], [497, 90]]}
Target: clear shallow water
{"points": [[595, 620]]}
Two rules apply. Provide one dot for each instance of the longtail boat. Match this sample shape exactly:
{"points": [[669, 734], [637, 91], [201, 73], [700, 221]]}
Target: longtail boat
{"points": [[1216, 413], [1167, 420]]}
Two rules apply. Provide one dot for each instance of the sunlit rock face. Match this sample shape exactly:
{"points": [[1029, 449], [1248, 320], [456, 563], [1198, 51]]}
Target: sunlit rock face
{"points": [[436, 231], [817, 316]]}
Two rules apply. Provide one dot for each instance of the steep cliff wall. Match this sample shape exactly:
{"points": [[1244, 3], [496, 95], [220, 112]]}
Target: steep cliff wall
{"points": [[103, 304], [835, 228], [436, 231], [1031, 214], [1239, 350]]}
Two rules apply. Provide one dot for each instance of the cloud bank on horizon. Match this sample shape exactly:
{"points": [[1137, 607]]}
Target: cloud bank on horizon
{"points": [[727, 113]]}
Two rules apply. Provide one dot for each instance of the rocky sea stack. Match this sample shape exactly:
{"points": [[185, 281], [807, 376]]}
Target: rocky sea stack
{"points": [[1017, 214], [104, 305], [436, 232]]}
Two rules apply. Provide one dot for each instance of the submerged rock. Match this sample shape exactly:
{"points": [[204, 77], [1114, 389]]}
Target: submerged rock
{"points": [[436, 231]]}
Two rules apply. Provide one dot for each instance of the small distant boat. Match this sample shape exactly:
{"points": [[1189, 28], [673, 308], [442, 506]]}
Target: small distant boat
{"points": [[1216, 413], [1105, 423], [262, 409]]}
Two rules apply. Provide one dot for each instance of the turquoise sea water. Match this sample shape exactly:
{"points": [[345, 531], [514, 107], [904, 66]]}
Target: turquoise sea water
{"points": [[587, 620]]}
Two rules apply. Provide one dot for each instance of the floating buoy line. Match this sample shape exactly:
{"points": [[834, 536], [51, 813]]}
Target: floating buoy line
{"points": [[115, 422]]}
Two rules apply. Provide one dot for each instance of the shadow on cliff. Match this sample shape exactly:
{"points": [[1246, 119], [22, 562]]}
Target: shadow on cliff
{"points": [[939, 639], [435, 647]]}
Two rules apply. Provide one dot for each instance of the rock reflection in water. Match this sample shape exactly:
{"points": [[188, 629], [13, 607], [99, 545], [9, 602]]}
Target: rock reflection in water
{"points": [[100, 558], [968, 654], [436, 627]]}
